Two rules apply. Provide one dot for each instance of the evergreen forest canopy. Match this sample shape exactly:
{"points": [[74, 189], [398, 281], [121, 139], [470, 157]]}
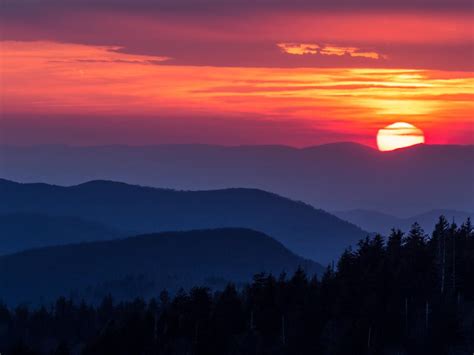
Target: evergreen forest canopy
{"points": [[409, 294]]}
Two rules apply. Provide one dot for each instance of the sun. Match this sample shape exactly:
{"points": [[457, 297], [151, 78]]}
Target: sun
{"points": [[399, 135]]}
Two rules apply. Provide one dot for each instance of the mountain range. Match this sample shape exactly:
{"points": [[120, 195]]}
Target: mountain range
{"points": [[335, 177], [144, 265], [131, 210], [378, 222], [20, 231]]}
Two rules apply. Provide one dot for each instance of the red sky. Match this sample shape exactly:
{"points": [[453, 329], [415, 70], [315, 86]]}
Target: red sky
{"points": [[234, 73]]}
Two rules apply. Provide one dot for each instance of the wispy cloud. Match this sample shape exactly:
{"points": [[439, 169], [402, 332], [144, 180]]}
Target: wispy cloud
{"points": [[351, 51], [328, 50], [299, 48]]}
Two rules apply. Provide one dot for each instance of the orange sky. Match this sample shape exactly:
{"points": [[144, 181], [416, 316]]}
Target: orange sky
{"points": [[61, 79], [234, 71]]}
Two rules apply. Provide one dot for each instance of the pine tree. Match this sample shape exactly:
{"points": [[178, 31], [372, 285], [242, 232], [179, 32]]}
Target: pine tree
{"points": [[438, 241]]}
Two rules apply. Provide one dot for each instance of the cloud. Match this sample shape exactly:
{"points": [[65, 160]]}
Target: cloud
{"points": [[73, 129], [410, 40], [299, 48], [314, 49], [238, 6], [351, 51]]}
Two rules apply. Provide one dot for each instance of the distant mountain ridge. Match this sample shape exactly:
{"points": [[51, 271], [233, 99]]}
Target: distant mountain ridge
{"points": [[374, 221], [20, 231], [143, 266], [307, 231], [338, 176]]}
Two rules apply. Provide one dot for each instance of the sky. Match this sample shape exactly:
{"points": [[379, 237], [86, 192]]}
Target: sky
{"points": [[232, 72]]}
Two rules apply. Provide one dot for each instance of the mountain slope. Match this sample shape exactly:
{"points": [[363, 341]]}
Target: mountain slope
{"points": [[340, 176], [374, 221], [144, 265], [20, 231], [303, 229]]}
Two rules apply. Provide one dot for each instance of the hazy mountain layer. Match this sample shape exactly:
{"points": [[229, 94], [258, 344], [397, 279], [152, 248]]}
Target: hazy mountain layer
{"points": [[341, 176], [144, 265], [20, 231], [303, 229], [374, 221]]}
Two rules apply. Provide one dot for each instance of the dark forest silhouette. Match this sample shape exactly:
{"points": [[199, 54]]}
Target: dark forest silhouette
{"points": [[409, 294]]}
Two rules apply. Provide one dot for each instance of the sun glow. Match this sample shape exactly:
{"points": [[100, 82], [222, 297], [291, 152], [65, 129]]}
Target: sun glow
{"points": [[333, 103], [399, 135]]}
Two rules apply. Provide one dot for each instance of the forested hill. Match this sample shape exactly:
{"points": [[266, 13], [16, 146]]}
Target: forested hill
{"points": [[309, 232], [144, 265]]}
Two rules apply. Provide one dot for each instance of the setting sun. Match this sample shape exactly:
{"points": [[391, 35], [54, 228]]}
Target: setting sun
{"points": [[399, 135]]}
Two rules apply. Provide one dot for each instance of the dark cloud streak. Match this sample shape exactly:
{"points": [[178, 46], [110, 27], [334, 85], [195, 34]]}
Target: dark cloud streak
{"points": [[209, 32], [235, 6], [133, 130]]}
